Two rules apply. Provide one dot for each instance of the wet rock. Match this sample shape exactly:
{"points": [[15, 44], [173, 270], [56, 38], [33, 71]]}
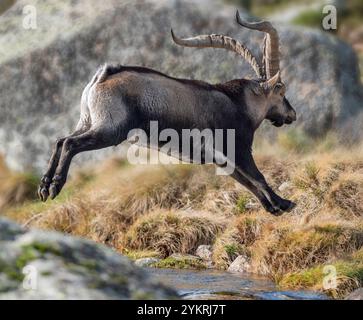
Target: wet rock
{"points": [[241, 264], [204, 252], [355, 295], [145, 262], [48, 265]]}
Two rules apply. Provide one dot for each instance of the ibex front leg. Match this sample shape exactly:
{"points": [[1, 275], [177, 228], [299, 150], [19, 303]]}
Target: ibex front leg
{"points": [[258, 194], [253, 179]]}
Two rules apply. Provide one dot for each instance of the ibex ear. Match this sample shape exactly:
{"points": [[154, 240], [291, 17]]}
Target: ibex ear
{"points": [[271, 83]]}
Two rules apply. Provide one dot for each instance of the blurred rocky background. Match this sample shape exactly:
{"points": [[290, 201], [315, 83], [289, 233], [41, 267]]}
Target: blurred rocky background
{"points": [[44, 70]]}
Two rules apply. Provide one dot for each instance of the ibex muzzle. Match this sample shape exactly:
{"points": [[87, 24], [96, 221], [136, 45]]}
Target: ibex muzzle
{"points": [[120, 98]]}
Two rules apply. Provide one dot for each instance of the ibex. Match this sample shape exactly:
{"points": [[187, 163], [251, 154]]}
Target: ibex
{"points": [[121, 98]]}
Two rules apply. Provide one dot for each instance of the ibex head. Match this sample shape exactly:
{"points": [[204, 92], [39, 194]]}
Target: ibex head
{"points": [[268, 90]]}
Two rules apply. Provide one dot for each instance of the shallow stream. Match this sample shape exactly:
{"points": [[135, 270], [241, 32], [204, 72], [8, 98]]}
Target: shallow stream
{"points": [[215, 284]]}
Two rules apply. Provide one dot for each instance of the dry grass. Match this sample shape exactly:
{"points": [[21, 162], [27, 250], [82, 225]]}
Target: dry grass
{"points": [[173, 232], [160, 210], [16, 188]]}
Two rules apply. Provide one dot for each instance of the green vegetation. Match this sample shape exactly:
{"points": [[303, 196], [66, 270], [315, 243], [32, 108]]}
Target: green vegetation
{"points": [[242, 203], [310, 18], [295, 140], [349, 277], [232, 250], [138, 254], [179, 263]]}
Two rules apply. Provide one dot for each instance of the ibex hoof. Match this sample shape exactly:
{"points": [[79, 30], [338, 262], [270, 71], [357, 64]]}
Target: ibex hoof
{"points": [[284, 206], [291, 206], [45, 180], [43, 189], [43, 194], [287, 205], [276, 211], [53, 191]]}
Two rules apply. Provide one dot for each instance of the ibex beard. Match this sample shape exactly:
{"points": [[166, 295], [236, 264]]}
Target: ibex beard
{"points": [[119, 99]]}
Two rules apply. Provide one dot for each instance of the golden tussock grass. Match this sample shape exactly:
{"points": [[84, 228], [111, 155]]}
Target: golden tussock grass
{"points": [[173, 232]]}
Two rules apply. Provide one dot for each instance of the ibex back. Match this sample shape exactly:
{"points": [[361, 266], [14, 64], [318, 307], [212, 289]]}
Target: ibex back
{"points": [[121, 98]]}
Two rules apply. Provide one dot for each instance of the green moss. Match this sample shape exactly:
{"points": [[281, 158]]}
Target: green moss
{"points": [[89, 264], [14, 270], [45, 248], [27, 255], [11, 272], [34, 251], [143, 296], [182, 263]]}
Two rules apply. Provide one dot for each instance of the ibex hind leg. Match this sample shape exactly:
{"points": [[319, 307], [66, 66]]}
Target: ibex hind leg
{"points": [[94, 139], [43, 189]]}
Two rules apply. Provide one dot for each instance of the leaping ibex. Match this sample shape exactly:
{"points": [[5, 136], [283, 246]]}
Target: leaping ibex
{"points": [[121, 98]]}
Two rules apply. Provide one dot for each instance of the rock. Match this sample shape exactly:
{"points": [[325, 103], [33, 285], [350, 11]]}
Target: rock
{"points": [[241, 264], [204, 252], [44, 71], [252, 204], [48, 265], [355, 295], [145, 262]]}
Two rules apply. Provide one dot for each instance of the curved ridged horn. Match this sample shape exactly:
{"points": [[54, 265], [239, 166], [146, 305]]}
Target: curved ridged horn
{"points": [[220, 41], [271, 55]]}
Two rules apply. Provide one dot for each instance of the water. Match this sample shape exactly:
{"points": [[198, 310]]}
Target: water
{"points": [[214, 284]]}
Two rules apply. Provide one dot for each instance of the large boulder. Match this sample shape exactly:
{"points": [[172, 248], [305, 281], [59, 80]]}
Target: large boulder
{"points": [[47, 265], [43, 71]]}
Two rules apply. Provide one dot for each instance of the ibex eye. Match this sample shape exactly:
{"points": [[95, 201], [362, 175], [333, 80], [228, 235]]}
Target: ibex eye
{"points": [[278, 88]]}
